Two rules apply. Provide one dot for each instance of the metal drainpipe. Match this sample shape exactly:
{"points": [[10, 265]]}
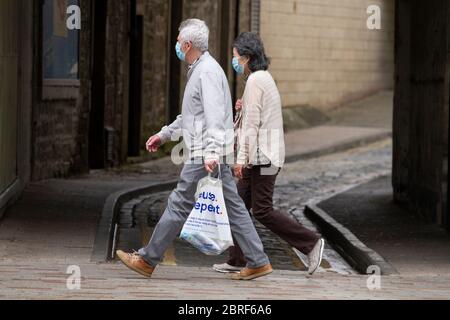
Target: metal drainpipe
{"points": [[255, 16]]}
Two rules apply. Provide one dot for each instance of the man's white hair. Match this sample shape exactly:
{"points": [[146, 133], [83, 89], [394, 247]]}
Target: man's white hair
{"points": [[195, 31]]}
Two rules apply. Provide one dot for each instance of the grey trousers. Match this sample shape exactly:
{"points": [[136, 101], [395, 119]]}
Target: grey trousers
{"points": [[180, 204]]}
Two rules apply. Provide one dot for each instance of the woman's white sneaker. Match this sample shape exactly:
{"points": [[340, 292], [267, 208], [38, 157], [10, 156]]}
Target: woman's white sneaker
{"points": [[226, 268], [315, 256]]}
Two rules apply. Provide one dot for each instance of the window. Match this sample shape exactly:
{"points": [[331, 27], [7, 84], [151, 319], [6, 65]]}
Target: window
{"points": [[60, 51]]}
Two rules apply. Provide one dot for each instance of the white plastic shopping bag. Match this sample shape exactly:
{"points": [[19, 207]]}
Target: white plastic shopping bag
{"points": [[207, 227]]}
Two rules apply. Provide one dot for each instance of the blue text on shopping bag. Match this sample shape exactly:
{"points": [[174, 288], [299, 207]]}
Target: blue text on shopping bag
{"points": [[204, 207]]}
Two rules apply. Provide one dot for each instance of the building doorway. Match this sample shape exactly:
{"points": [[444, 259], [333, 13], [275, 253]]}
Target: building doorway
{"points": [[9, 84], [135, 96], [97, 136], [176, 16]]}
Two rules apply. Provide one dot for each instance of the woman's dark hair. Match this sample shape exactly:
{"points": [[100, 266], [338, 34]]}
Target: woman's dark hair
{"points": [[249, 44]]}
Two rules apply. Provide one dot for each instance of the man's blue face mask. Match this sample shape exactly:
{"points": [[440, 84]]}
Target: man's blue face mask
{"points": [[237, 67], [180, 54]]}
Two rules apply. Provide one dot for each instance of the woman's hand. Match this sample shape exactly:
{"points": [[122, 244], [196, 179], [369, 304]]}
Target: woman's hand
{"points": [[238, 168], [239, 105]]}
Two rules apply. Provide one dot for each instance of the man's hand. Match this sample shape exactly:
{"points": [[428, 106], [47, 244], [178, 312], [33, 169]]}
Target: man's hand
{"points": [[238, 106], [153, 143], [238, 168], [210, 165]]}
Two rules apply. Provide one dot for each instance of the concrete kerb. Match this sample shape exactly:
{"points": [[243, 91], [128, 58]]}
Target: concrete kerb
{"points": [[106, 230], [356, 253]]}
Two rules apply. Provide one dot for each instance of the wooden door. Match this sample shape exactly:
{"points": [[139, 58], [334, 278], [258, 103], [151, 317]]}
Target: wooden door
{"points": [[9, 59]]}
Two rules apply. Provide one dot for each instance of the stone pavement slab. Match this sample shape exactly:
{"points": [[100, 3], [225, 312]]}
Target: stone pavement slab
{"points": [[410, 243], [375, 111], [114, 281], [56, 220], [317, 141]]}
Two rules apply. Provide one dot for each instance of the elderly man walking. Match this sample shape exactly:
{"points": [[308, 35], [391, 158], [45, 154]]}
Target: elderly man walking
{"points": [[206, 124]]}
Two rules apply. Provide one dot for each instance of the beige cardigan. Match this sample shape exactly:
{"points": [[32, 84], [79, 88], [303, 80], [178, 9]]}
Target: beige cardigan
{"points": [[260, 134]]}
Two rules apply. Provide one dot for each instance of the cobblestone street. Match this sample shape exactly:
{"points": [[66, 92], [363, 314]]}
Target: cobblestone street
{"points": [[299, 183]]}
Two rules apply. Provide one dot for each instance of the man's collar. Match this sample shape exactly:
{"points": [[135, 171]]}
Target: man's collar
{"points": [[204, 54]]}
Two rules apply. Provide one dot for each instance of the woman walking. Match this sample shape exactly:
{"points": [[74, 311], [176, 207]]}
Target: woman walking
{"points": [[260, 153]]}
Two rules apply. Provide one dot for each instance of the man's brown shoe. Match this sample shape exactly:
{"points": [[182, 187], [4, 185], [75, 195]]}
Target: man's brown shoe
{"points": [[252, 273], [135, 262]]}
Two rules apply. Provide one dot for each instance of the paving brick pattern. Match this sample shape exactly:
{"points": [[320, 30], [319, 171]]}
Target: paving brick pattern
{"points": [[114, 281]]}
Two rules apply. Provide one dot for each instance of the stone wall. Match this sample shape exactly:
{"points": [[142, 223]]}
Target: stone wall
{"points": [[209, 11], [322, 52], [59, 126], [117, 75], [421, 107], [156, 58], [158, 48], [60, 140]]}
